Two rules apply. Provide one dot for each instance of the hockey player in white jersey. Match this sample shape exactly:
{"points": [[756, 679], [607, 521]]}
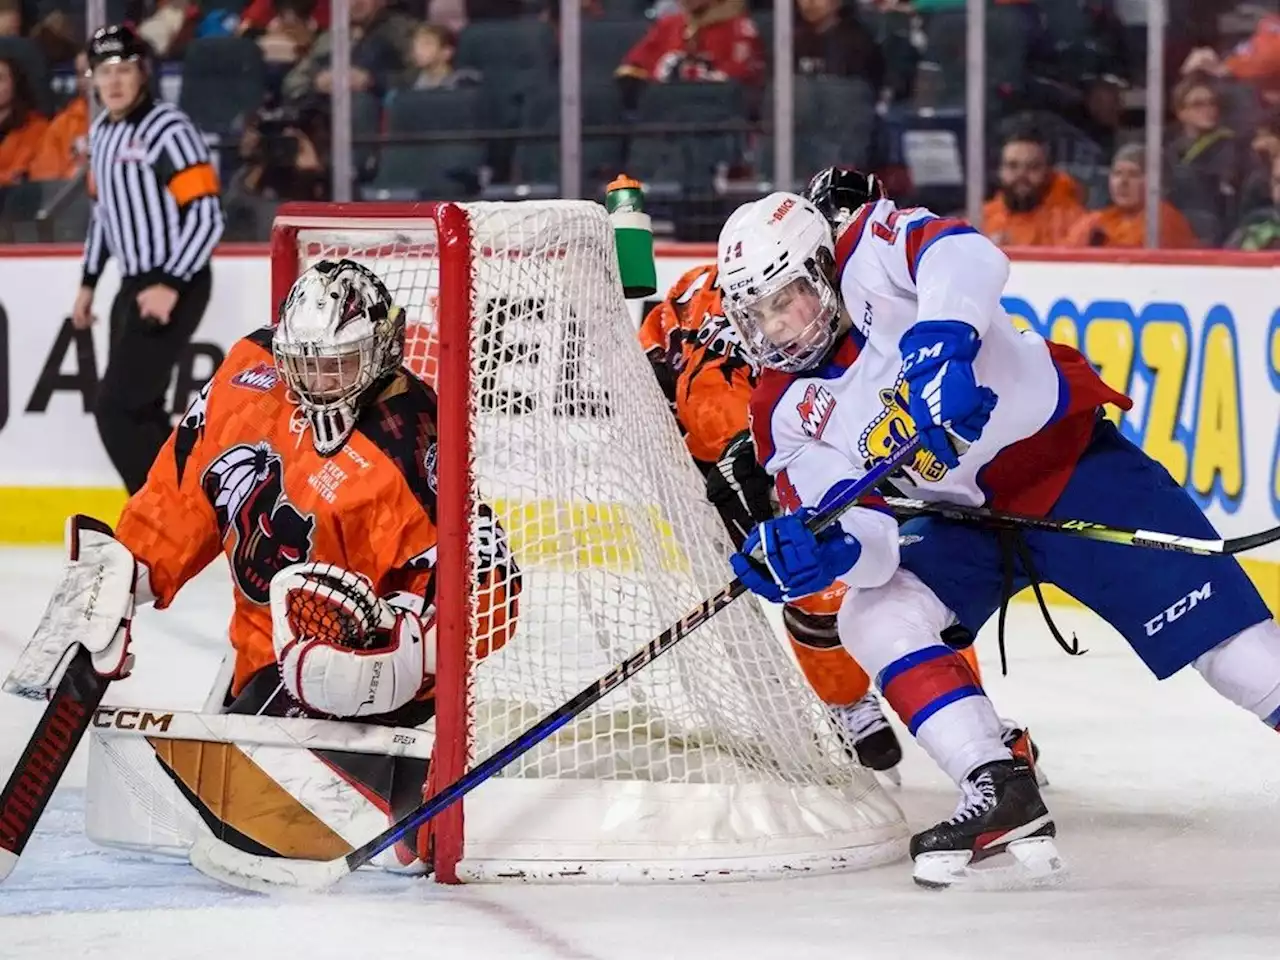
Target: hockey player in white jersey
{"points": [[895, 326]]}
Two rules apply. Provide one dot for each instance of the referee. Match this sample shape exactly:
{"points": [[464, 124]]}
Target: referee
{"points": [[156, 210]]}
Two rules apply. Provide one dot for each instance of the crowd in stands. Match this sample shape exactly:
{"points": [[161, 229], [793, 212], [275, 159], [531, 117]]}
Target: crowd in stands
{"points": [[459, 99]]}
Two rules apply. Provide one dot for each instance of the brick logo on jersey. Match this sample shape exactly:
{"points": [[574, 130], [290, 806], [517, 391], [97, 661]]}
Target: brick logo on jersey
{"points": [[815, 410], [261, 376], [245, 485]]}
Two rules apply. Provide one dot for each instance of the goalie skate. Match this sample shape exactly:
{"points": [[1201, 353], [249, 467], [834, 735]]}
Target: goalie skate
{"points": [[1000, 837]]}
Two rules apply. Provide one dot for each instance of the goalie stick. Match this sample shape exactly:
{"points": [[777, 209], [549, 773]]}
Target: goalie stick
{"points": [[225, 863], [42, 763], [1087, 529]]}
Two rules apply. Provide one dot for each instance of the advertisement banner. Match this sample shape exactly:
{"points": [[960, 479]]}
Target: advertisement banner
{"points": [[1196, 346]]}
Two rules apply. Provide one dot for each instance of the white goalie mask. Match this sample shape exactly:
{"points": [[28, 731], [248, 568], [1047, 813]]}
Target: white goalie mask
{"points": [[776, 256], [338, 341]]}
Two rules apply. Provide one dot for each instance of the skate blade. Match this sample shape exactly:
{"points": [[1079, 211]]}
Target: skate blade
{"points": [[892, 775], [1028, 864]]}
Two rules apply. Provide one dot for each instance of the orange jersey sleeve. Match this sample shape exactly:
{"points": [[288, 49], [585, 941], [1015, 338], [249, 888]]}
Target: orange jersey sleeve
{"points": [[698, 356], [169, 525]]}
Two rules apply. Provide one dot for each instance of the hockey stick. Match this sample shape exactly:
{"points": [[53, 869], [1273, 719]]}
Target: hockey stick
{"points": [[997, 520], [223, 862], [42, 763]]}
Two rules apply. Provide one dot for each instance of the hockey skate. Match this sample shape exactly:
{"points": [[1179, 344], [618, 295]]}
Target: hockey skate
{"points": [[874, 744], [1000, 816], [1018, 740]]}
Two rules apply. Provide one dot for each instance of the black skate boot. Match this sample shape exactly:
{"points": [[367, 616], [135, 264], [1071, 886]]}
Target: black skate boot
{"points": [[1001, 813], [1018, 740], [873, 741]]}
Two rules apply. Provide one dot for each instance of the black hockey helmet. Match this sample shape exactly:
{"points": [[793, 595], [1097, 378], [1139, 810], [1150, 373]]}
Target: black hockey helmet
{"points": [[839, 191], [115, 43]]}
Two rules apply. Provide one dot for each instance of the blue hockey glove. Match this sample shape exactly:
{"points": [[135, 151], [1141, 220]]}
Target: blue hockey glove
{"points": [[937, 363], [796, 561]]}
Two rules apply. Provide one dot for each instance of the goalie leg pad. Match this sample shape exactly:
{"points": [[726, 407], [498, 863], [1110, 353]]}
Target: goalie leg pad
{"points": [[92, 607]]}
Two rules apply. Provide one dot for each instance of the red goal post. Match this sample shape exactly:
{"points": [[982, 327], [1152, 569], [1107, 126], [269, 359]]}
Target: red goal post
{"points": [[716, 762]]}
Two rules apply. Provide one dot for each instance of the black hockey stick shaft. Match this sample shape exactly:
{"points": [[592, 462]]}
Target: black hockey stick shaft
{"points": [[624, 671], [1087, 529], [46, 756]]}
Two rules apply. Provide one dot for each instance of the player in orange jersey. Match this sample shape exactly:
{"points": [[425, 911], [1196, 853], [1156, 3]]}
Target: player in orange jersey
{"points": [[309, 459]]}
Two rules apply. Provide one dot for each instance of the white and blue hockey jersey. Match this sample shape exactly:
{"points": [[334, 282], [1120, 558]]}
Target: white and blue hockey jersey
{"points": [[815, 428]]}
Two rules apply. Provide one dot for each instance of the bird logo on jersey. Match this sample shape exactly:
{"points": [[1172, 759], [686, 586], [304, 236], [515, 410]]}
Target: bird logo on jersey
{"points": [[891, 429], [815, 410], [245, 484]]}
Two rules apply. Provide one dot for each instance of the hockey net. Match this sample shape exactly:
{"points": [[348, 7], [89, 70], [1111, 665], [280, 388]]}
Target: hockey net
{"points": [[714, 761]]}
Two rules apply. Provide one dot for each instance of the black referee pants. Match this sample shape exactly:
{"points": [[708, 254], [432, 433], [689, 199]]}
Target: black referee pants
{"points": [[130, 411]]}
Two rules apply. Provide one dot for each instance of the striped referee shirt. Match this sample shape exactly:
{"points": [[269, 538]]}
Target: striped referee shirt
{"points": [[155, 197]]}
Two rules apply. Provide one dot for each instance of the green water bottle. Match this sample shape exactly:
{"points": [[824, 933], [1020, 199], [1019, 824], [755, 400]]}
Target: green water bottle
{"points": [[633, 234]]}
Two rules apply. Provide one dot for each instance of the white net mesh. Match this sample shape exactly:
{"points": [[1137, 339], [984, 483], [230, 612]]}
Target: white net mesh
{"points": [[575, 449]]}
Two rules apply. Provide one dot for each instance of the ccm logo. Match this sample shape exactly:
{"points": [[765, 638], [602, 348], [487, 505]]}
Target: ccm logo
{"points": [[932, 352], [124, 719], [1178, 609]]}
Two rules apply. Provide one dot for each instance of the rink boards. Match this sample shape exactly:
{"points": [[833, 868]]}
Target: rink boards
{"points": [[1193, 338]]}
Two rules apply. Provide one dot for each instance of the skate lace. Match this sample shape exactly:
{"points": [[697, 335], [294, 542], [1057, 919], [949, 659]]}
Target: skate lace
{"points": [[863, 717], [978, 796]]}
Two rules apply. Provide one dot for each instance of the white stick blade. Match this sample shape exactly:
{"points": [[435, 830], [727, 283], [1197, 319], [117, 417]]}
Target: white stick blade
{"points": [[8, 860], [247, 871]]}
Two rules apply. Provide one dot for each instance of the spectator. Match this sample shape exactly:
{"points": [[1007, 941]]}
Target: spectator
{"points": [[1256, 61], [380, 41], [1260, 229], [257, 18], [1035, 205], [284, 157], [832, 40], [1204, 155], [433, 50], [169, 28], [285, 40], [10, 18], [66, 143], [708, 40], [21, 126], [1123, 222], [1256, 191]]}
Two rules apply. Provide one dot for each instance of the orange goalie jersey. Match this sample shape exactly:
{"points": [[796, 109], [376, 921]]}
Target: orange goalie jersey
{"points": [[239, 475]]}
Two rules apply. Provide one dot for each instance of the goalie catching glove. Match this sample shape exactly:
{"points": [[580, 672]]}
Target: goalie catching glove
{"points": [[796, 561], [343, 650]]}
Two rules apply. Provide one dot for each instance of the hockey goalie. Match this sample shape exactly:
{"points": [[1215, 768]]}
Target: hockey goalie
{"points": [[309, 460]]}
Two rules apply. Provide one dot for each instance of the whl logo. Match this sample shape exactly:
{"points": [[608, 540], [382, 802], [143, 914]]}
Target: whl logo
{"points": [[261, 376], [1179, 609], [815, 410]]}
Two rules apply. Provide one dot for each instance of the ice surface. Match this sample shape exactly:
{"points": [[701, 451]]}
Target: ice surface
{"points": [[1166, 798]]}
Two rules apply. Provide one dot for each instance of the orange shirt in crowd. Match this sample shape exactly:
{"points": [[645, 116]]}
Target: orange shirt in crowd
{"points": [[64, 145], [18, 147], [1112, 227], [1258, 58], [1045, 226]]}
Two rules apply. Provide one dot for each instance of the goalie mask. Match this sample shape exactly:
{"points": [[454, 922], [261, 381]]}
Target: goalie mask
{"points": [[337, 344], [776, 256]]}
